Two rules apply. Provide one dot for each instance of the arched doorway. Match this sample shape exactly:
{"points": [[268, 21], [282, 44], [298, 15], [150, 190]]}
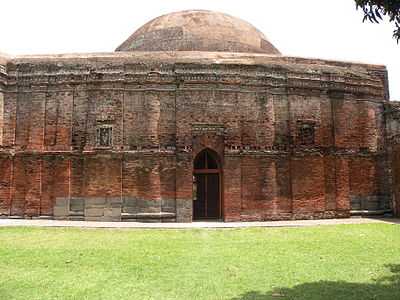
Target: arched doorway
{"points": [[206, 186]]}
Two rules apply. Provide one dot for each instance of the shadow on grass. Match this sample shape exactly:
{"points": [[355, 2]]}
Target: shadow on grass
{"points": [[384, 288], [390, 220]]}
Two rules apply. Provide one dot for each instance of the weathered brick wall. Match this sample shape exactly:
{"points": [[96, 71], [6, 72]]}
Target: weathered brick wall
{"points": [[57, 125], [54, 181], [3, 80], [395, 166], [392, 114], [1, 116], [5, 159], [164, 111], [308, 185], [5, 184]]}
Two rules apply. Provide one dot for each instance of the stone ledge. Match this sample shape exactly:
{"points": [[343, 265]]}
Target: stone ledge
{"points": [[161, 215], [76, 214], [370, 212]]}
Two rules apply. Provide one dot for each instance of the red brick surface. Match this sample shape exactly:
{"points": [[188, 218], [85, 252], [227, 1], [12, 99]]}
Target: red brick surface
{"points": [[392, 115], [163, 113]]}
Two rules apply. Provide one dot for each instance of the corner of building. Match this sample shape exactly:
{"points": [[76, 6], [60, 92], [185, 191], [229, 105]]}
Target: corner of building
{"points": [[392, 117]]}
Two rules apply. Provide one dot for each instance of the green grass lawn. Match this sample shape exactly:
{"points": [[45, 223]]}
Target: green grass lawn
{"points": [[328, 262]]}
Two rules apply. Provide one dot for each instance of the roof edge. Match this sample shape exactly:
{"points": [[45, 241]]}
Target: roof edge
{"points": [[190, 57]]}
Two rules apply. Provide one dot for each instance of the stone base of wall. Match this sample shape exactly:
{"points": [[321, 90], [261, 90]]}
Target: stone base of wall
{"points": [[373, 203], [108, 210], [396, 206], [255, 217], [88, 209], [114, 209]]}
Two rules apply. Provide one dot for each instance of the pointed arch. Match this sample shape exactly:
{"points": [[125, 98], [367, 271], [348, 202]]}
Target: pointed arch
{"points": [[207, 159]]}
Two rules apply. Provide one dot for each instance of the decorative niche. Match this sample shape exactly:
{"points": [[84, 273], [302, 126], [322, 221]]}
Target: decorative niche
{"points": [[104, 136], [305, 133]]}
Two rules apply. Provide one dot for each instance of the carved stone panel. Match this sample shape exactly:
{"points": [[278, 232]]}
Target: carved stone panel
{"points": [[104, 136]]}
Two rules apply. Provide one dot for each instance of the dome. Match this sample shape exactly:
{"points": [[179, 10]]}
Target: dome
{"points": [[198, 30], [3, 58]]}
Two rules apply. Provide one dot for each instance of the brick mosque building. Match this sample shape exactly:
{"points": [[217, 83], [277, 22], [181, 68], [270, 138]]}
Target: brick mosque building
{"points": [[195, 116]]}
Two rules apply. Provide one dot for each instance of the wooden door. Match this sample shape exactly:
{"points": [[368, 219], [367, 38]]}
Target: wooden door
{"points": [[207, 201], [207, 187]]}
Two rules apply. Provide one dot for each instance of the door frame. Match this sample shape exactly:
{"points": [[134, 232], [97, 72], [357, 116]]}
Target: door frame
{"points": [[218, 171]]}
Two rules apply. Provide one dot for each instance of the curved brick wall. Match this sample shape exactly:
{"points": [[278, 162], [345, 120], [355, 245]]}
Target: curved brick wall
{"points": [[297, 138]]}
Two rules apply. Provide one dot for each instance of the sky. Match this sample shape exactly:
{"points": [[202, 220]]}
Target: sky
{"points": [[309, 28]]}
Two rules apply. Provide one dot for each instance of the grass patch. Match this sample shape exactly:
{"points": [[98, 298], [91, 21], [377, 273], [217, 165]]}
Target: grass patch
{"points": [[328, 262]]}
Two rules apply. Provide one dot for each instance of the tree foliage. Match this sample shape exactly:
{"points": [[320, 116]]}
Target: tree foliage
{"points": [[375, 10]]}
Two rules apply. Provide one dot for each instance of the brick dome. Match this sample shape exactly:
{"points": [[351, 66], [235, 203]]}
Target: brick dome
{"points": [[198, 30], [3, 58]]}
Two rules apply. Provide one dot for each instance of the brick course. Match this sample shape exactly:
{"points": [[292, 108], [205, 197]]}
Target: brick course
{"points": [[164, 110]]}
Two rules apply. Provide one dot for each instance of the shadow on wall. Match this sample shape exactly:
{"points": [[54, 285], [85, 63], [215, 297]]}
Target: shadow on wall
{"points": [[384, 288]]}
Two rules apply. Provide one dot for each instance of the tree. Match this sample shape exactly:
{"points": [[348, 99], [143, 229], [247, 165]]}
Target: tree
{"points": [[374, 10]]}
